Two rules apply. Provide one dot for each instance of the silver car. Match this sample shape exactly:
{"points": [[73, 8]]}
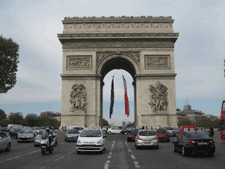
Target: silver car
{"points": [[37, 138], [71, 135], [25, 135], [146, 138], [91, 140], [5, 142]]}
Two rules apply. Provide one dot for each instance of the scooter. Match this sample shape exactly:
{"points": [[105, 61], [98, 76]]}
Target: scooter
{"points": [[45, 146]]}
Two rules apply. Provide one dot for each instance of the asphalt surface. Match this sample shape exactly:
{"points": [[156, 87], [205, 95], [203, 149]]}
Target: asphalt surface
{"points": [[119, 154]]}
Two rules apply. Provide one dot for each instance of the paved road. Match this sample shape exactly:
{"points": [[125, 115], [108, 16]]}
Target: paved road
{"points": [[119, 154]]}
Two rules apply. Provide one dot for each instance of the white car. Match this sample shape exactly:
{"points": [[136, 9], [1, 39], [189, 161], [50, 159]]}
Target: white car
{"points": [[91, 140], [114, 130], [80, 129]]}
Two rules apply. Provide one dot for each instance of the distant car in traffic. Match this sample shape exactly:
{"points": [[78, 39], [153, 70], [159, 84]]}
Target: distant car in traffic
{"points": [[14, 132], [5, 129], [25, 135], [80, 129], [5, 142], [186, 128], [114, 130], [132, 134], [190, 143], [146, 138], [171, 130], [163, 135], [71, 135], [91, 140], [37, 138]]}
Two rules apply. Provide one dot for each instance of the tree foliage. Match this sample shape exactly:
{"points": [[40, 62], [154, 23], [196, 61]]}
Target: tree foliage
{"points": [[31, 120], [9, 58], [16, 118], [105, 123], [2, 115], [131, 125]]}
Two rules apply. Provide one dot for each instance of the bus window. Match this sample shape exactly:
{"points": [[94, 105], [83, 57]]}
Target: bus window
{"points": [[192, 129], [185, 129], [223, 107]]}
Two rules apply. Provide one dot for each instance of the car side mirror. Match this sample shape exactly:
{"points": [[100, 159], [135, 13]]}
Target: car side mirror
{"points": [[104, 136]]}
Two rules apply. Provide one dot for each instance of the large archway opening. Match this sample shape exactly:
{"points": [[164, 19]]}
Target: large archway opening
{"points": [[117, 67]]}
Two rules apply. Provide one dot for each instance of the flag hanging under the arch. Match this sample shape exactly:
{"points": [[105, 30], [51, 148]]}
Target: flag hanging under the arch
{"points": [[112, 98], [127, 110]]}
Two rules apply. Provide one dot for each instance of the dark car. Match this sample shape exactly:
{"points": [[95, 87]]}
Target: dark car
{"points": [[132, 134], [5, 129], [127, 130], [14, 132], [163, 135], [190, 143]]}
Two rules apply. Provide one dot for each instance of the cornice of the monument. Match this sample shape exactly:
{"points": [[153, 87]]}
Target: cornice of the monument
{"points": [[112, 19]]}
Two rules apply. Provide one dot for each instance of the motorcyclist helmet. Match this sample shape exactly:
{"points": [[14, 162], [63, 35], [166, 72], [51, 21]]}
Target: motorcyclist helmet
{"points": [[47, 130]]}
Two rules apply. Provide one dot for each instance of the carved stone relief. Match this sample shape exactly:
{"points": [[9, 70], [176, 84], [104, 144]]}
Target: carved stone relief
{"points": [[122, 44], [78, 62], [157, 62], [134, 55], [158, 97], [78, 98]]}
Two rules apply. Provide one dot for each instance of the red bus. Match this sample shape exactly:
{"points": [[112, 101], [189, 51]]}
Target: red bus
{"points": [[222, 122]]}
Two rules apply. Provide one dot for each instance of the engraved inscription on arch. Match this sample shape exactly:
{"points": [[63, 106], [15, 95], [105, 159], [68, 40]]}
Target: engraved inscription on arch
{"points": [[78, 62], [157, 62]]}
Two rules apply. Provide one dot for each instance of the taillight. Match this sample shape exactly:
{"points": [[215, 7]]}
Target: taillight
{"points": [[131, 135], [138, 137], [212, 142], [191, 143], [156, 137]]}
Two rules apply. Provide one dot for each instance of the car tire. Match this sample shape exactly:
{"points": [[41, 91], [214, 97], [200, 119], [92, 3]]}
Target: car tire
{"points": [[173, 148], [65, 140], [101, 152], [128, 139], [137, 147], [18, 141], [43, 152], [35, 145], [8, 147], [184, 151], [78, 152], [168, 140]]}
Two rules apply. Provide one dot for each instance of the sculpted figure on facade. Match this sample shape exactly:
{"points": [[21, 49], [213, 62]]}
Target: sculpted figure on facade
{"points": [[78, 98], [158, 97]]}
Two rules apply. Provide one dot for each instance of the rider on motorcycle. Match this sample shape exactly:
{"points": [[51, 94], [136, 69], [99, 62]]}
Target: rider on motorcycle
{"points": [[50, 136], [211, 132]]}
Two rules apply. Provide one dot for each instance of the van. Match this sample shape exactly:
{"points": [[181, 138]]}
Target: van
{"points": [[186, 128]]}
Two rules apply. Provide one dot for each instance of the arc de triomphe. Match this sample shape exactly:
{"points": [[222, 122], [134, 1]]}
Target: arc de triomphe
{"points": [[143, 46]]}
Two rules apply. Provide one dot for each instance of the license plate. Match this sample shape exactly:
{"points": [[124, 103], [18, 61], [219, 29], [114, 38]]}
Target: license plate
{"points": [[133, 138], [88, 147], [202, 143], [42, 146], [148, 143]]}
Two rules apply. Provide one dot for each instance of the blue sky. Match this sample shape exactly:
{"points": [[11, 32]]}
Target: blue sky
{"points": [[34, 25]]}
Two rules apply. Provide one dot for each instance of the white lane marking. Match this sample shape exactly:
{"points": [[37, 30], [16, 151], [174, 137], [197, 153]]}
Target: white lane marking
{"points": [[20, 156], [129, 150], [114, 142], [41, 167], [133, 157], [109, 156], [106, 166], [108, 161], [58, 158], [136, 164], [110, 153]]}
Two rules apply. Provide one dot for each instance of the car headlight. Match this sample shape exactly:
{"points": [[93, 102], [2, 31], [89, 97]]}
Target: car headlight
{"points": [[68, 136], [100, 142], [78, 141]]}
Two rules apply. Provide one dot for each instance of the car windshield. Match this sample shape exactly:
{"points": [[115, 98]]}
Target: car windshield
{"points": [[77, 128], [169, 128], [146, 133], [161, 131], [90, 133], [40, 132], [197, 135], [44, 135], [26, 131], [73, 131]]}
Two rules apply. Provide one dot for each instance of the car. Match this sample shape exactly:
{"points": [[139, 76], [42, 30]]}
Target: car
{"points": [[114, 130], [171, 131], [163, 135], [186, 128], [25, 135], [80, 129], [146, 138], [37, 138], [5, 129], [14, 132], [127, 130], [91, 140], [5, 142], [190, 143], [131, 136], [71, 135]]}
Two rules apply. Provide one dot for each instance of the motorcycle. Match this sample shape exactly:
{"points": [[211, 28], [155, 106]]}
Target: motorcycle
{"points": [[211, 133], [46, 146]]}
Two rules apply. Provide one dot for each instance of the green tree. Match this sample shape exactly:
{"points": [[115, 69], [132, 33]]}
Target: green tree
{"points": [[130, 125], [31, 120], [185, 121], [9, 58], [2, 115], [16, 118], [105, 122]]}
